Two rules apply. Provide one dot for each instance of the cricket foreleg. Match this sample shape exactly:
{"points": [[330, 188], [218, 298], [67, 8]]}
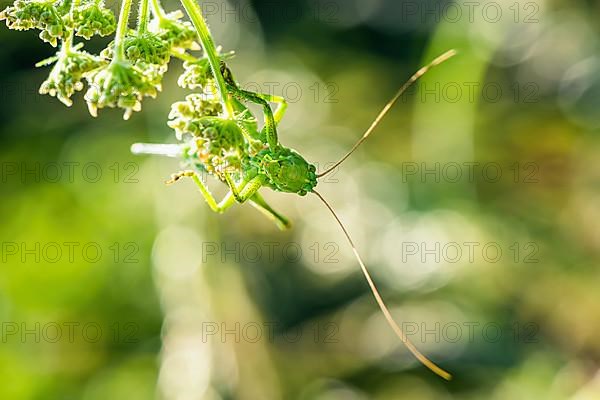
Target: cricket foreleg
{"points": [[243, 191], [221, 207]]}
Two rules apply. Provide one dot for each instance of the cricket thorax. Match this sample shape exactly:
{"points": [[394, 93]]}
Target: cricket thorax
{"points": [[285, 170]]}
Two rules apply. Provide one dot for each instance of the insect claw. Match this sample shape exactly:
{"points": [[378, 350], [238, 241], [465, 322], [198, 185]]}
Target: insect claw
{"points": [[174, 178], [178, 176]]}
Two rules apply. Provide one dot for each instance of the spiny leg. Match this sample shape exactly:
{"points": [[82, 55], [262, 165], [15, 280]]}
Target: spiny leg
{"points": [[243, 191], [281, 102], [221, 207], [233, 186], [270, 128], [230, 81], [261, 205], [256, 201], [271, 121], [243, 112]]}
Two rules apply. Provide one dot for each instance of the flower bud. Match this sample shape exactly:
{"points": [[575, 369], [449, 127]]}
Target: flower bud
{"points": [[32, 14], [123, 85], [180, 35], [93, 18], [66, 75]]}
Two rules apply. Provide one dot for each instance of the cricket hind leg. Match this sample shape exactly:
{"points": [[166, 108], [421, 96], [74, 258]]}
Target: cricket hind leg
{"points": [[281, 102], [269, 131], [254, 97]]}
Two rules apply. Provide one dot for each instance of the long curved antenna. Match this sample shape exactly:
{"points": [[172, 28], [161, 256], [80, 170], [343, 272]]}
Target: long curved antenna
{"points": [[386, 312], [447, 55]]}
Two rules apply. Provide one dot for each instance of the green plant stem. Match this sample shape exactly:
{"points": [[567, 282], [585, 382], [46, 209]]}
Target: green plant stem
{"points": [[122, 30], [195, 14], [157, 10], [68, 42], [143, 16], [74, 6]]}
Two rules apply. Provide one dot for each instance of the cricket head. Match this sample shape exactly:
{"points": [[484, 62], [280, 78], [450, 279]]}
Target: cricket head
{"points": [[287, 171]]}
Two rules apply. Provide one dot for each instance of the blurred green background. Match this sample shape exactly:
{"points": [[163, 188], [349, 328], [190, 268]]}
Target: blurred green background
{"points": [[475, 205]]}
